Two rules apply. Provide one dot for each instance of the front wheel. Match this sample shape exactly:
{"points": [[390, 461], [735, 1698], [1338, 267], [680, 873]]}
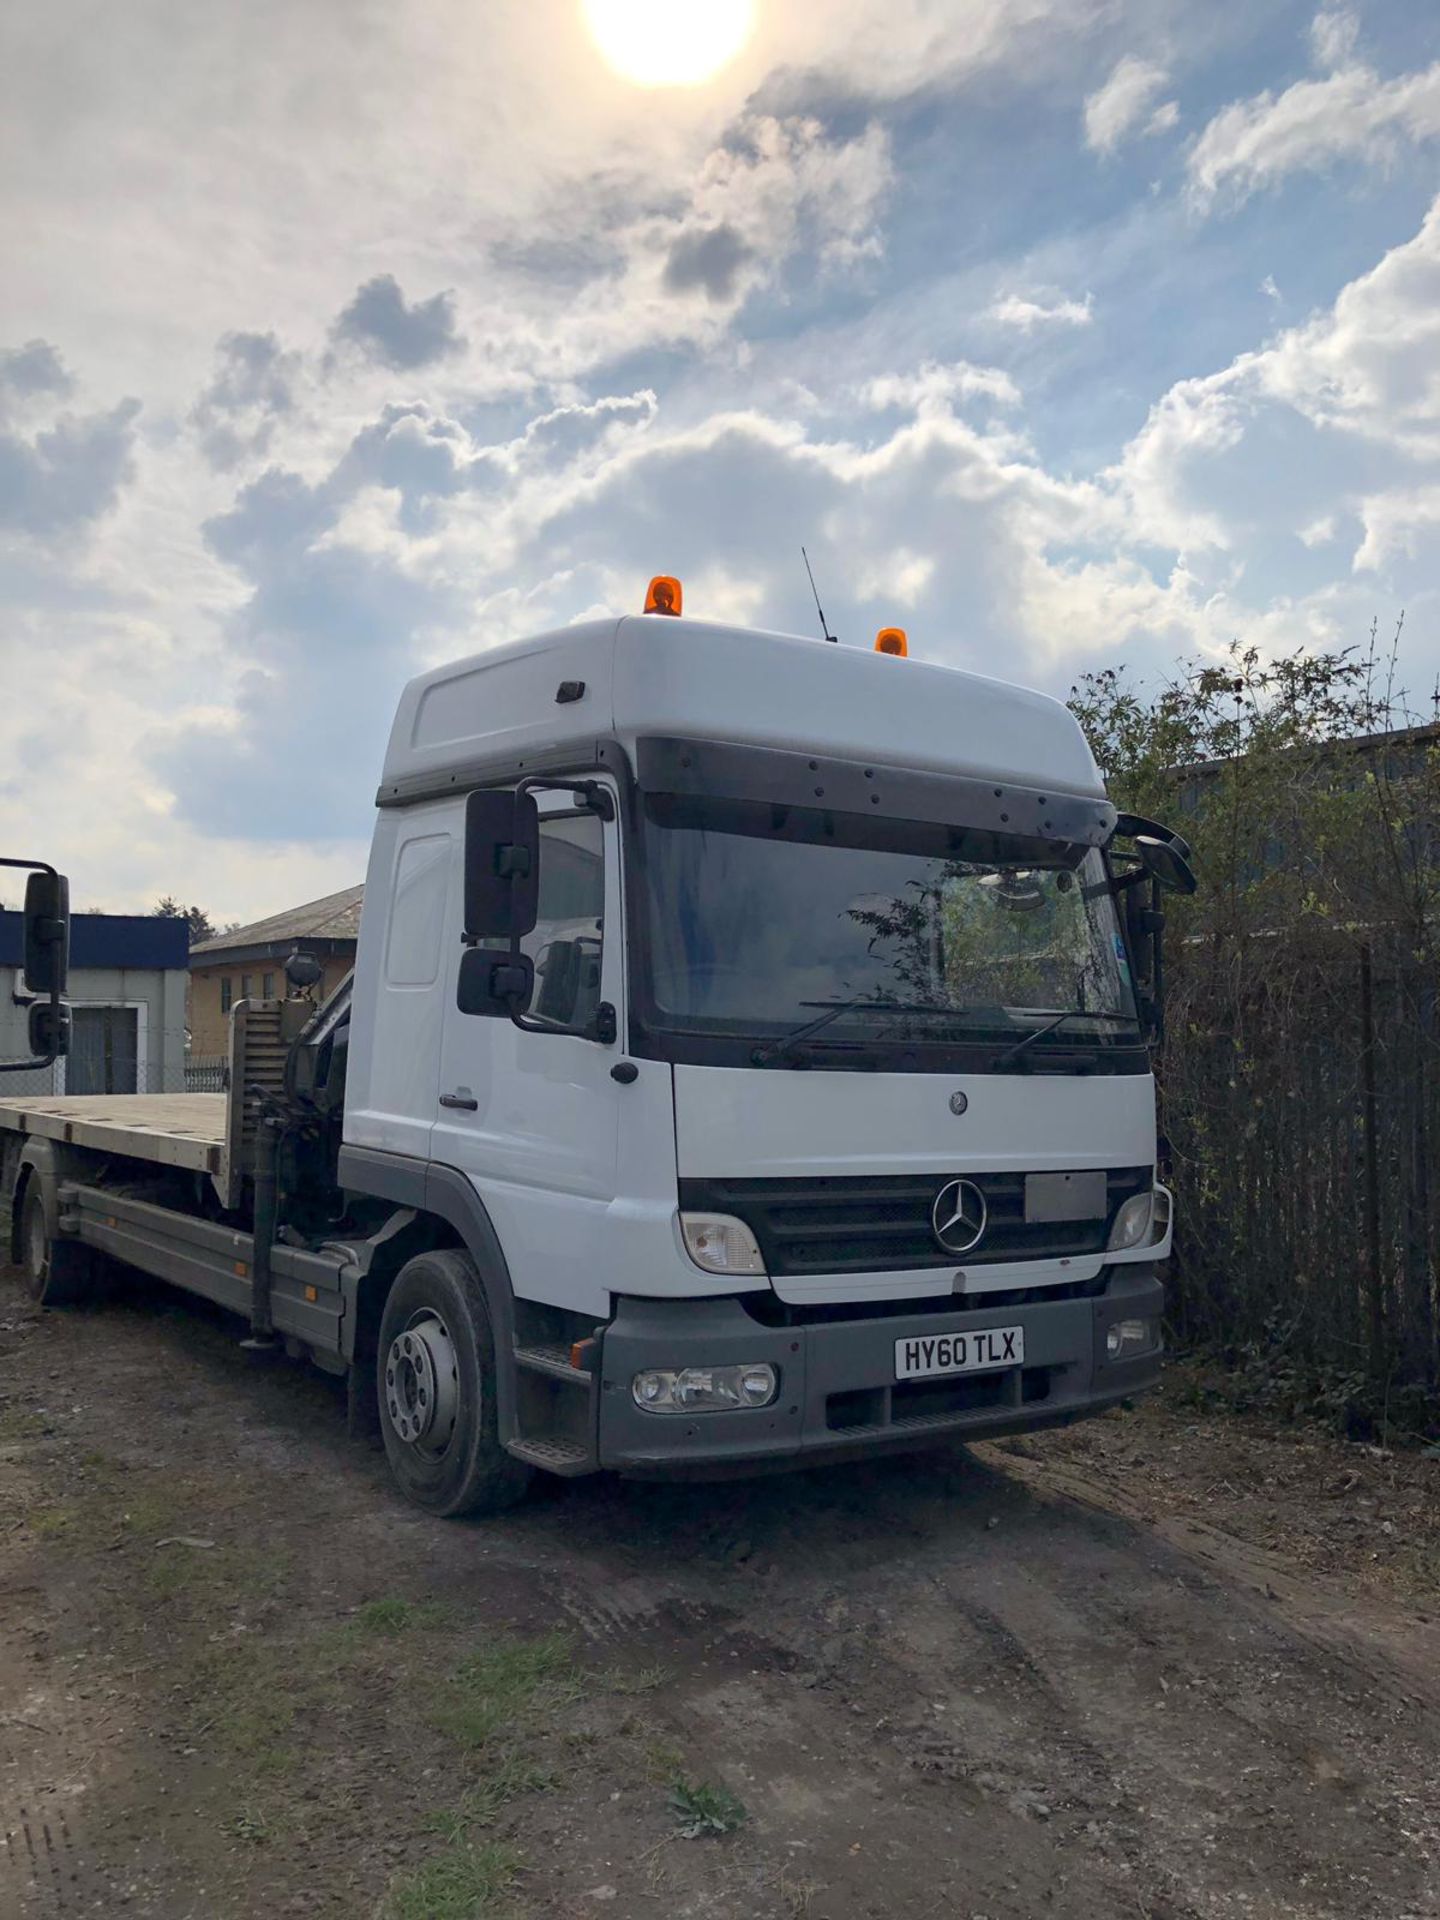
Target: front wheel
{"points": [[58, 1273], [435, 1381]]}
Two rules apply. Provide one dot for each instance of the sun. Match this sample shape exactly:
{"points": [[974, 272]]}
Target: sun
{"points": [[669, 43]]}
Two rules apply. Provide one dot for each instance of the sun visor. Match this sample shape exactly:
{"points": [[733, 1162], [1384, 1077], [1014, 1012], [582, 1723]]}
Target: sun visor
{"points": [[723, 770]]}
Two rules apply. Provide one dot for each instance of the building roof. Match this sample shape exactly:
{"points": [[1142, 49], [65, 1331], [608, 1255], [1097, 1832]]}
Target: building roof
{"points": [[108, 940], [327, 925]]}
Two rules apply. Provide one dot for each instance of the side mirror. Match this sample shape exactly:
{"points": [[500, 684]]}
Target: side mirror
{"points": [[502, 865], [494, 983], [1164, 861], [48, 1030], [47, 933]]}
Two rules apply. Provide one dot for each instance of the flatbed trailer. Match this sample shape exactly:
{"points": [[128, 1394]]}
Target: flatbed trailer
{"points": [[112, 1168], [167, 1129]]}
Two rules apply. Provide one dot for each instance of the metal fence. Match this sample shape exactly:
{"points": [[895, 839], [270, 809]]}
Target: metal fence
{"points": [[96, 1065]]}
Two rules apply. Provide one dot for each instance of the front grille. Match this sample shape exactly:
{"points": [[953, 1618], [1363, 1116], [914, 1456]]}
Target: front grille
{"points": [[881, 1223]]}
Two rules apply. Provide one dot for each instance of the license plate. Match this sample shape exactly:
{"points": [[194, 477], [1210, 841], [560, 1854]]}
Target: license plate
{"points": [[923, 1355]]}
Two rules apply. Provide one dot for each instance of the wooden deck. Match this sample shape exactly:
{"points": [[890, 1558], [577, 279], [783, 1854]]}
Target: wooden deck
{"points": [[169, 1129]]}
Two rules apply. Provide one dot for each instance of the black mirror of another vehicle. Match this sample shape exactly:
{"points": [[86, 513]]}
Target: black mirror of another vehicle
{"points": [[49, 1030], [47, 932], [502, 865], [1164, 861], [494, 982]]}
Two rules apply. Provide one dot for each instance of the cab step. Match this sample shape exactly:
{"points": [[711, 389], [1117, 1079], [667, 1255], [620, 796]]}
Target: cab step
{"points": [[556, 1456], [553, 1361]]}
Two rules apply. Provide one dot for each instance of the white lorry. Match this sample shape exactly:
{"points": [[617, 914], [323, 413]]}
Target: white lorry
{"points": [[745, 1064]]}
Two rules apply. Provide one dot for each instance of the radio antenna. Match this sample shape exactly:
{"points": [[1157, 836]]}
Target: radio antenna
{"points": [[824, 623]]}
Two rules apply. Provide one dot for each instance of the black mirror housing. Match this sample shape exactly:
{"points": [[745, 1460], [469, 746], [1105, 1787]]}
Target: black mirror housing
{"points": [[47, 932], [494, 982], [502, 865], [48, 1030], [1164, 861]]}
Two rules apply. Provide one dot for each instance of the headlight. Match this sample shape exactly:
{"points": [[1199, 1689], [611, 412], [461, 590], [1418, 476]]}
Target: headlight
{"points": [[720, 1243], [1132, 1223], [704, 1389]]}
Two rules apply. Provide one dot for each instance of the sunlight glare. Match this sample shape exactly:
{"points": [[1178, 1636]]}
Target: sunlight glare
{"points": [[669, 43]]}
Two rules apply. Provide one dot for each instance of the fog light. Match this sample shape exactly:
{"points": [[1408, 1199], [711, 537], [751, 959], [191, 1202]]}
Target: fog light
{"points": [[720, 1243], [1125, 1338], [704, 1389], [1133, 1222]]}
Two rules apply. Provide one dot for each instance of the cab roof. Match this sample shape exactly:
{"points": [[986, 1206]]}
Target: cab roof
{"points": [[645, 675]]}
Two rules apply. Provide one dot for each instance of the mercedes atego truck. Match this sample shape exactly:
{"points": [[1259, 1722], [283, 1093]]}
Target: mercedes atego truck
{"points": [[745, 1064]]}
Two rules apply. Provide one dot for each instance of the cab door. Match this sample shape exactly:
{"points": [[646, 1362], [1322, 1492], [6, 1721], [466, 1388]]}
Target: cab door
{"points": [[530, 1114]]}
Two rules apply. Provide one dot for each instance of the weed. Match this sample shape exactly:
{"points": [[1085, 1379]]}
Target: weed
{"points": [[644, 1680], [252, 1825], [466, 1883], [702, 1808]]}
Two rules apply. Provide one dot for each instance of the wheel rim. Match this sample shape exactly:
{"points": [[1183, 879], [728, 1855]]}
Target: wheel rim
{"points": [[36, 1243], [422, 1384]]}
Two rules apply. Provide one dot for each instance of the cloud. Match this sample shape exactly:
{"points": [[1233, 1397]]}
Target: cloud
{"points": [[68, 475], [253, 387], [708, 257], [935, 387], [399, 335], [1117, 110], [1333, 34], [1397, 522], [1014, 311], [1351, 114], [34, 368]]}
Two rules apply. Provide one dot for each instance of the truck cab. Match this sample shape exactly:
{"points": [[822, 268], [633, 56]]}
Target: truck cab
{"points": [[768, 1021]]}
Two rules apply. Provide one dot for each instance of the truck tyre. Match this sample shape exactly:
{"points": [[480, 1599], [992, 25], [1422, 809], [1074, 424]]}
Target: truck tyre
{"points": [[435, 1381], [58, 1273]]}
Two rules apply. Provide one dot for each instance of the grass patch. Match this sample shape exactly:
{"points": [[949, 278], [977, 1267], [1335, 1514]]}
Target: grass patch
{"points": [[466, 1883], [514, 1777], [510, 1682], [643, 1680], [702, 1808], [16, 1423], [51, 1522], [391, 1617]]}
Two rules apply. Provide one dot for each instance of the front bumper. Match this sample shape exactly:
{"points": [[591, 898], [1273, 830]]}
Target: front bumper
{"points": [[838, 1394]]}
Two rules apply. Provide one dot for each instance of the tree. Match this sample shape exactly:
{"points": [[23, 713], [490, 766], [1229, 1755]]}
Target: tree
{"points": [[202, 927]]}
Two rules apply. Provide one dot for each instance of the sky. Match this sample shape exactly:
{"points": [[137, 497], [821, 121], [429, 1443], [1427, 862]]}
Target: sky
{"points": [[339, 338]]}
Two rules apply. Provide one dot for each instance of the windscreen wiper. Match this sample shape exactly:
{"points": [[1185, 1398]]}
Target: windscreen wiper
{"points": [[1070, 1013], [766, 1056]]}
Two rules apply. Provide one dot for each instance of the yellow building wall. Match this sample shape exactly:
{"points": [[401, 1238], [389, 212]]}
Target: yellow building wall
{"points": [[210, 1026]]}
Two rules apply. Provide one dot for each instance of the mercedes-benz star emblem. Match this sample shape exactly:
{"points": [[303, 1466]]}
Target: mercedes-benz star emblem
{"points": [[958, 1103], [958, 1216]]}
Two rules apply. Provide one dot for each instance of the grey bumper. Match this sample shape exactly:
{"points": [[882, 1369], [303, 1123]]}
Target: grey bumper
{"points": [[838, 1394]]}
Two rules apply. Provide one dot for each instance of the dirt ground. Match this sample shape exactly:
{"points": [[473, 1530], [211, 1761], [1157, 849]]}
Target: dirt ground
{"points": [[1172, 1664]]}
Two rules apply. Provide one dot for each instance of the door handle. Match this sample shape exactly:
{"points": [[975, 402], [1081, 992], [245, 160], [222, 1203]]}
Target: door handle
{"points": [[464, 1101]]}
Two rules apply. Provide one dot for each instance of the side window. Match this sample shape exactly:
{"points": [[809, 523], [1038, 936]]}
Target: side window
{"points": [[227, 994], [417, 911], [566, 944]]}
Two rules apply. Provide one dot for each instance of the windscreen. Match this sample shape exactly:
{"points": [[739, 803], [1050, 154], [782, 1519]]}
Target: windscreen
{"points": [[762, 917]]}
